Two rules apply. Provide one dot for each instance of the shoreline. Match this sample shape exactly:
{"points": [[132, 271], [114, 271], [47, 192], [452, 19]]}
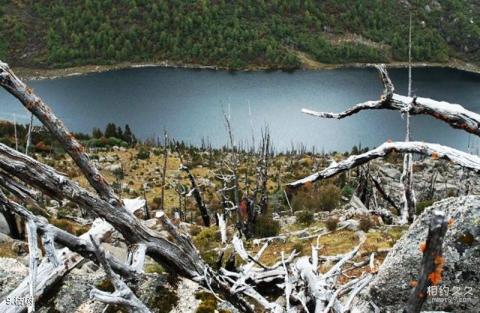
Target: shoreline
{"points": [[43, 74]]}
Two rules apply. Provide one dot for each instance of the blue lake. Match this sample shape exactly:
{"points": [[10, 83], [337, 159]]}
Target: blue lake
{"points": [[189, 104]]}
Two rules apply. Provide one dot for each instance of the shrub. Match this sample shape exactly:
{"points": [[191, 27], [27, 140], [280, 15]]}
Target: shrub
{"points": [[143, 154], [329, 197], [347, 191], [331, 223], [205, 241], [325, 198], [305, 217], [265, 226], [298, 247], [365, 223]]}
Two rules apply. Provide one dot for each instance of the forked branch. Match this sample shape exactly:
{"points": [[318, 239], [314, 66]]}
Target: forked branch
{"points": [[453, 114]]}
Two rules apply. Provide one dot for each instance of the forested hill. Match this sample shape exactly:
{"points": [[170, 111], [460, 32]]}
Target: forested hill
{"points": [[235, 34]]}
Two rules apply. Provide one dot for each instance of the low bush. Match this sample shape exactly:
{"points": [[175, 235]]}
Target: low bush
{"points": [[305, 217], [331, 223], [347, 191], [265, 226], [325, 198], [143, 154], [365, 223]]}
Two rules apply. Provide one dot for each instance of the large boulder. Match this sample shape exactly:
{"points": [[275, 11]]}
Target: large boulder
{"points": [[461, 277]]}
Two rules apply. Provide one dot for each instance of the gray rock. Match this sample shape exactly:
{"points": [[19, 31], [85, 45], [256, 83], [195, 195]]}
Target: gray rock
{"points": [[12, 273], [390, 172], [391, 287], [349, 224], [5, 238], [4, 228]]}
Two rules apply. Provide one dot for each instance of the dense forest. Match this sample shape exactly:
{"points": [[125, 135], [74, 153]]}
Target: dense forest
{"points": [[235, 34]]}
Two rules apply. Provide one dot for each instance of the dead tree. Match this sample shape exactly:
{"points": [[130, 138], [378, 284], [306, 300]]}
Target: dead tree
{"points": [[263, 169], [409, 201], [432, 263], [453, 114], [164, 171], [175, 254], [195, 191]]}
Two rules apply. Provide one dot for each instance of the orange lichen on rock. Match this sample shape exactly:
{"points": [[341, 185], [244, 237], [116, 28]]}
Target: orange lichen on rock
{"points": [[423, 246], [434, 156], [451, 221], [436, 276]]}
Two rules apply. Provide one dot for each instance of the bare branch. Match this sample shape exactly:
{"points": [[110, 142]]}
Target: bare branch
{"points": [[453, 114], [122, 295], [52, 233], [33, 259], [429, 149], [11, 83]]}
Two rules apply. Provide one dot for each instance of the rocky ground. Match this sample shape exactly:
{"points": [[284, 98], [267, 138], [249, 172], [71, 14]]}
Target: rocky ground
{"points": [[434, 180]]}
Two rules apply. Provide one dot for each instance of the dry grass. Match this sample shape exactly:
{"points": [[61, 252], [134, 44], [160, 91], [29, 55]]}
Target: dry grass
{"points": [[6, 250]]}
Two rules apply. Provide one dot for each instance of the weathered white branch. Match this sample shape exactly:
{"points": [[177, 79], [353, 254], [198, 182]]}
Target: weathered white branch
{"points": [[122, 295], [223, 227], [453, 114], [11, 83], [33, 259], [49, 244], [436, 151], [48, 275], [136, 257]]}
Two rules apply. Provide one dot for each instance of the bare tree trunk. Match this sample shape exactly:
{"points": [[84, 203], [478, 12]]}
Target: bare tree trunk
{"points": [[198, 196], [164, 173], [29, 134], [409, 201], [432, 263], [15, 130]]}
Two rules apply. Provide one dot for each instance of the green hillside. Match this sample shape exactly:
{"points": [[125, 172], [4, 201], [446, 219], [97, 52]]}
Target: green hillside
{"points": [[235, 34]]}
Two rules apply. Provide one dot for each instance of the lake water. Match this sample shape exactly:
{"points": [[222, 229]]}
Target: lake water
{"points": [[189, 104]]}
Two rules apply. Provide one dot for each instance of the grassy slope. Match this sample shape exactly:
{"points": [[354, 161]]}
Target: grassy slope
{"points": [[236, 35]]}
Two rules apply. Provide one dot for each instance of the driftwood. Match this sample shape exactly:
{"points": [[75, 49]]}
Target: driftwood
{"points": [[435, 151], [432, 263]]}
